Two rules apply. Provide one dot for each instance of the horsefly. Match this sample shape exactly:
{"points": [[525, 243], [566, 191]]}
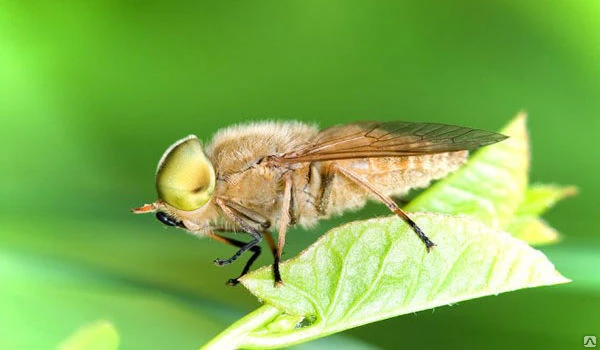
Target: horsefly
{"points": [[265, 176]]}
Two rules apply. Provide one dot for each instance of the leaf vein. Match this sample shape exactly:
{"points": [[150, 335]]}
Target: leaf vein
{"points": [[446, 273], [341, 279], [309, 297], [411, 288], [371, 288]]}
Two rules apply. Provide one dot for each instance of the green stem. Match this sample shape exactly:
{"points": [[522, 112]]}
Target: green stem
{"points": [[275, 341], [235, 335]]}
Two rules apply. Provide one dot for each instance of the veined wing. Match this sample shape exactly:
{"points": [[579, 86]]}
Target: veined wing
{"points": [[388, 139]]}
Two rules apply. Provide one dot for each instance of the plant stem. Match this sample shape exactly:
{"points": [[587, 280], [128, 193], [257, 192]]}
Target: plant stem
{"points": [[235, 334], [276, 341]]}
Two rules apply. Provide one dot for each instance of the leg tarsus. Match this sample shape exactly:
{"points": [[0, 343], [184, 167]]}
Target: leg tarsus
{"points": [[276, 273], [253, 243], [256, 252], [413, 225], [255, 249]]}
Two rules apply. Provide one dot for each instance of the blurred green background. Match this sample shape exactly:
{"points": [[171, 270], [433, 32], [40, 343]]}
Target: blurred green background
{"points": [[92, 93]]}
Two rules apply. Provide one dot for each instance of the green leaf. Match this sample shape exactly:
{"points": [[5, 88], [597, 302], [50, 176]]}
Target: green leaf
{"points": [[371, 270], [490, 186], [539, 198], [367, 271], [533, 230], [100, 335]]}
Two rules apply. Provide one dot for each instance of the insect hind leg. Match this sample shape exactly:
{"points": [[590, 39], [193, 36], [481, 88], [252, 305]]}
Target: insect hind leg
{"points": [[389, 202], [322, 201]]}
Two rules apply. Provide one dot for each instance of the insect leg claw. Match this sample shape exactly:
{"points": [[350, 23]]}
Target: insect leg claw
{"points": [[233, 282], [222, 262], [430, 246]]}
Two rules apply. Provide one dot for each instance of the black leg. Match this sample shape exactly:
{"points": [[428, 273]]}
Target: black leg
{"points": [[256, 235], [256, 253], [234, 242], [271, 242], [253, 243], [276, 273]]}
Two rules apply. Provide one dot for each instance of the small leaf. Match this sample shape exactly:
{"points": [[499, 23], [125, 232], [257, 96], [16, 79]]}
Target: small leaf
{"points": [[526, 225], [371, 270], [533, 230], [490, 186], [100, 335], [539, 198]]}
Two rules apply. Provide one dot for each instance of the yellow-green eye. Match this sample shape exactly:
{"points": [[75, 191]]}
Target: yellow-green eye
{"points": [[185, 178]]}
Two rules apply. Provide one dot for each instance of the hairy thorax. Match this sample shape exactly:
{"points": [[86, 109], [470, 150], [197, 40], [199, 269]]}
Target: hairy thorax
{"points": [[238, 147], [251, 188]]}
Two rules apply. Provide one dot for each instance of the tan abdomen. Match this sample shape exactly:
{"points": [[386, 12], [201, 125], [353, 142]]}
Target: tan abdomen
{"points": [[392, 176]]}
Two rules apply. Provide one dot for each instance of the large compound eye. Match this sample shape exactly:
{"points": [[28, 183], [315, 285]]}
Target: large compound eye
{"points": [[185, 178]]}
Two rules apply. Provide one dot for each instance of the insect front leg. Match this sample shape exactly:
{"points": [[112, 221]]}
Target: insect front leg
{"points": [[234, 242], [256, 235], [389, 202]]}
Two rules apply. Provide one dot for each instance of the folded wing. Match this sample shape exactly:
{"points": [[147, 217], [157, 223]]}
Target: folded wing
{"points": [[388, 139]]}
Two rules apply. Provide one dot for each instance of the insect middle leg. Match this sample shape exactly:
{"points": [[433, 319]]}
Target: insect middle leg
{"points": [[389, 202], [284, 221]]}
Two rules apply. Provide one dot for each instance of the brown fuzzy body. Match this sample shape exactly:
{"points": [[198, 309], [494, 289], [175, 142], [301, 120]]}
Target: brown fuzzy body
{"points": [[255, 188]]}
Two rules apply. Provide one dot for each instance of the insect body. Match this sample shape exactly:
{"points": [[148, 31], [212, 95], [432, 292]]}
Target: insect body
{"points": [[264, 177]]}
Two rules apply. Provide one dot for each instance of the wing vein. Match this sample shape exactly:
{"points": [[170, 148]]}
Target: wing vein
{"points": [[389, 139]]}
